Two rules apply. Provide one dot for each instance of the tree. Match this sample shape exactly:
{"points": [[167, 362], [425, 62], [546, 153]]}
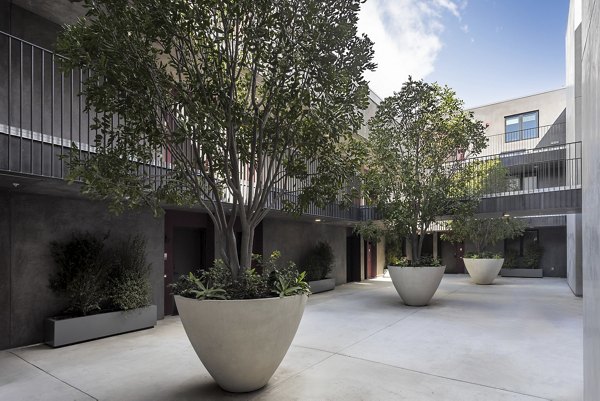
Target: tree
{"points": [[415, 171], [483, 232], [250, 103]]}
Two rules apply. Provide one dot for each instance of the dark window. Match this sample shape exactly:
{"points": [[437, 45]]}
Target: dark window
{"points": [[521, 126]]}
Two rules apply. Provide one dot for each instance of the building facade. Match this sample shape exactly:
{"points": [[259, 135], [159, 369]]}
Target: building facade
{"points": [[41, 115]]}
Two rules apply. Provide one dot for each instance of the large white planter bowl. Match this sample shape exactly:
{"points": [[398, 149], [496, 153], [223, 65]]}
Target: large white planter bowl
{"points": [[416, 285], [241, 342], [483, 271]]}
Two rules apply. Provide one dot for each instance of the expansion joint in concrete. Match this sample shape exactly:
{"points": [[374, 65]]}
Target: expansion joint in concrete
{"points": [[53, 376]]}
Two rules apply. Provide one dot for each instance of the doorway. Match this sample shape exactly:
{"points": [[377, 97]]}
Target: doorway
{"points": [[352, 258]]}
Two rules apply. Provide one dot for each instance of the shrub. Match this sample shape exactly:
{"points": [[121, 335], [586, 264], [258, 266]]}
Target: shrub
{"points": [[217, 282], [128, 286], [82, 269], [319, 262]]}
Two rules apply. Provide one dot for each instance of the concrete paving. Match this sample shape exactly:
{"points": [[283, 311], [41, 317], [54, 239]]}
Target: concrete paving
{"points": [[519, 339]]}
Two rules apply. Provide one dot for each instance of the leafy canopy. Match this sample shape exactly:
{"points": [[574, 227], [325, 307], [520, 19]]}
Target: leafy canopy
{"points": [[483, 232], [243, 104], [413, 168]]}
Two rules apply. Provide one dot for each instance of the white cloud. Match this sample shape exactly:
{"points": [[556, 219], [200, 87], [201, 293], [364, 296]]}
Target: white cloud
{"points": [[407, 36], [464, 28]]}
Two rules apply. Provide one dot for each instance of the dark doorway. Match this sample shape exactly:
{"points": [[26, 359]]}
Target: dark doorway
{"points": [[459, 253], [353, 258], [370, 260], [188, 255], [188, 250]]}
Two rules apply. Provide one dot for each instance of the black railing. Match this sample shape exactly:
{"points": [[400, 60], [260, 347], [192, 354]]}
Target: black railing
{"points": [[531, 138], [42, 114]]}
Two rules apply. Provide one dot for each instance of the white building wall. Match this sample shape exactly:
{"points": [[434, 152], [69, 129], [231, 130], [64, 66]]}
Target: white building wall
{"points": [[550, 106]]}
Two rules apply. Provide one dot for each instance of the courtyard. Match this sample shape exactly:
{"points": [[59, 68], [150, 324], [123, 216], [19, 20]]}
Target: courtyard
{"points": [[519, 339]]}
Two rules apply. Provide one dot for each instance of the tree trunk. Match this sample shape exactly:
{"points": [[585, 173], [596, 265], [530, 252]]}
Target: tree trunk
{"points": [[246, 247], [231, 258], [414, 241]]}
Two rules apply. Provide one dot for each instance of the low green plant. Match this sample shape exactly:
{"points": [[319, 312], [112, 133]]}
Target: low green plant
{"points": [[511, 259], [426, 260], [319, 262], [532, 255], [273, 279], [483, 255], [398, 261], [82, 268], [128, 284], [94, 278], [192, 286]]}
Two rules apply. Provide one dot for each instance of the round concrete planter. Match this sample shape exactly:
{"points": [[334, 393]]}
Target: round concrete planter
{"points": [[241, 342], [416, 285], [483, 271]]}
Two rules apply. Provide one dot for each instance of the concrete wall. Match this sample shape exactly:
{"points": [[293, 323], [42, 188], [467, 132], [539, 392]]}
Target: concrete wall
{"points": [[551, 106], [591, 195], [29, 224], [574, 254], [294, 239]]}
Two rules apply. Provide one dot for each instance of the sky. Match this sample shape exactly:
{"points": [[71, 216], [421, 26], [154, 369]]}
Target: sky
{"points": [[486, 50]]}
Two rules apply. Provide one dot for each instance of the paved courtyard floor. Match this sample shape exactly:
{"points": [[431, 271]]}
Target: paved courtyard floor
{"points": [[520, 339]]}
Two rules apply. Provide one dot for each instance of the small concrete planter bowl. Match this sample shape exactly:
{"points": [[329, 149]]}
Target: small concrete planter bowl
{"points": [[241, 342], [322, 285], [416, 285], [59, 332], [483, 271]]}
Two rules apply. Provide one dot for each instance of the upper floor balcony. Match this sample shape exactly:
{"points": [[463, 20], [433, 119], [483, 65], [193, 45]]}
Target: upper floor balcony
{"points": [[42, 115]]}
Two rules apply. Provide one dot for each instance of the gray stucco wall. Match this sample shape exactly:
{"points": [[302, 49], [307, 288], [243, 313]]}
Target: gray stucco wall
{"points": [[591, 196], [551, 106], [29, 224], [294, 239], [574, 254]]}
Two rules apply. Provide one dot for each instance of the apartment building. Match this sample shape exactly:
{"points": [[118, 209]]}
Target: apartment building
{"points": [[41, 115], [528, 137]]}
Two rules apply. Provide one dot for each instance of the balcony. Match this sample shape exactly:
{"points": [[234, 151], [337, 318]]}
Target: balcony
{"points": [[42, 115]]}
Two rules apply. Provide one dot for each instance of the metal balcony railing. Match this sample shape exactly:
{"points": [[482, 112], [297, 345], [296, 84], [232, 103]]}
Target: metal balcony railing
{"points": [[531, 138], [42, 115]]}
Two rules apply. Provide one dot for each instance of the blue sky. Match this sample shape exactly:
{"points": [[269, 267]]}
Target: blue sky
{"points": [[486, 50]]}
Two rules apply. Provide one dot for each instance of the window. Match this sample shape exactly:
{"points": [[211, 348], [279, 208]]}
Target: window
{"points": [[520, 127]]}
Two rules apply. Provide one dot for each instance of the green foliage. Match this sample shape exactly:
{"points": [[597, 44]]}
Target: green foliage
{"points": [[128, 284], [398, 261], [93, 277], [244, 96], [218, 283], [511, 259], [425, 261], [370, 231], [319, 262], [532, 254], [82, 269], [483, 255], [412, 171], [483, 232], [192, 286]]}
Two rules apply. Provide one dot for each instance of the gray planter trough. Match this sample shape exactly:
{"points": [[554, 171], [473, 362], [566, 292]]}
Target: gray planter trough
{"points": [[527, 273], [59, 332], [321, 285]]}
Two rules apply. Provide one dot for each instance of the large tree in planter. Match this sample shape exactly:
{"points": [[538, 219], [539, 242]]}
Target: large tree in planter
{"points": [[252, 103], [416, 170]]}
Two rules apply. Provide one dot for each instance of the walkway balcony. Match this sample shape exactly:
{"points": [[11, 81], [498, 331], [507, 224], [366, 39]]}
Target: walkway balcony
{"points": [[42, 115]]}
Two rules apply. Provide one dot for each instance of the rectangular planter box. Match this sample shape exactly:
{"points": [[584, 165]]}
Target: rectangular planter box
{"points": [[322, 285], [59, 332], [527, 273]]}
